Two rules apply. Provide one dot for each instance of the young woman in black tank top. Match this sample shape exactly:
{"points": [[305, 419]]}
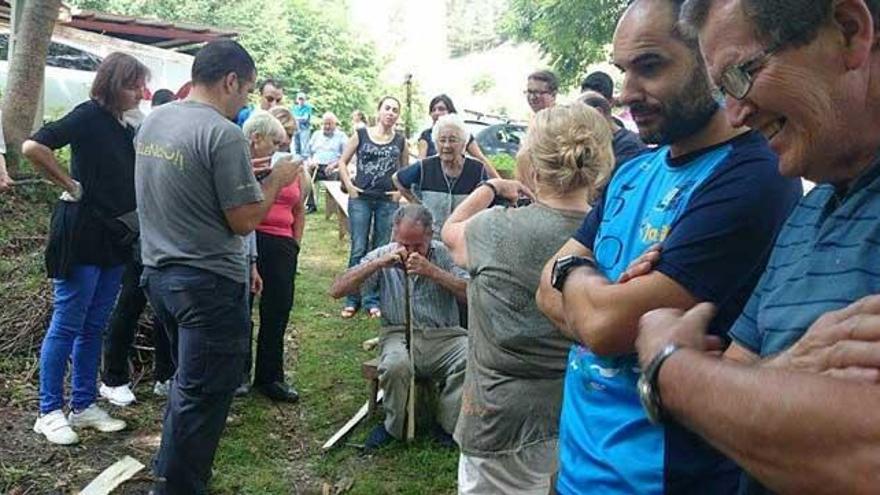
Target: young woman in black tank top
{"points": [[380, 152]]}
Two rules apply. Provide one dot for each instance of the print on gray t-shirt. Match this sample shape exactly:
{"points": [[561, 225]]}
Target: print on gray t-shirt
{"points": [[192, 164]]}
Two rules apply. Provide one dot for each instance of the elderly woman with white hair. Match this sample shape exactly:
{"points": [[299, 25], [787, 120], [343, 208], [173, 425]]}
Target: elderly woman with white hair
{"points": [[441, 182], [278, 242]]}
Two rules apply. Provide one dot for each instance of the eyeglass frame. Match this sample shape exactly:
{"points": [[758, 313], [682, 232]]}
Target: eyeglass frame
{"points": [[747, 69], [532, 93]]}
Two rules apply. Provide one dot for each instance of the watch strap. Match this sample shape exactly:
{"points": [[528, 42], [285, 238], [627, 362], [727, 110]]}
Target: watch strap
{"points": [[654, 404]]}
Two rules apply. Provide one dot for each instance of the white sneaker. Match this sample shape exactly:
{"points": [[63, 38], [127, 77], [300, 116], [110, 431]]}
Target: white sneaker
{"points": [[95, 417], [162, 389], [55, 428], [118, 396]]}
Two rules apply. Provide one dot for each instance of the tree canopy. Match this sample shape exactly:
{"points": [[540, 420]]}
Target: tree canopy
{"points": [[572, 32], [306, 45]]}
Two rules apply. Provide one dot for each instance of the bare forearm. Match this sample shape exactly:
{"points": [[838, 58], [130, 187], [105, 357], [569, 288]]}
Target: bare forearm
{"points": [[795, 432], [350, 282], [475, 151], [45, 162], [605, 316], [455, 285], [478, 201], [299, 222]]}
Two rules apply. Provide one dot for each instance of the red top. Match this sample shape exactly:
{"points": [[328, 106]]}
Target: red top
{"points": [[279, 220]]}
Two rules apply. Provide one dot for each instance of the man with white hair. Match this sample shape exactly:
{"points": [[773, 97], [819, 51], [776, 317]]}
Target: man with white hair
{"points": [[442, 181], [325, 148]]}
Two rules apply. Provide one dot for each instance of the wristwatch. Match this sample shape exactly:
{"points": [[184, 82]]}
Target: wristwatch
{"points": [[649, 391], [563, 266]]}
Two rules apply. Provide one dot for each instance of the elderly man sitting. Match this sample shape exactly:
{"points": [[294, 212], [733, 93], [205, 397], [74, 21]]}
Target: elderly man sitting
{"points": [[325, 148], [440, 345]]}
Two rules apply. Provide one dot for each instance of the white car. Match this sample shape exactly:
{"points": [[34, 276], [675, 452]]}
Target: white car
{"points": [[74, 56]]}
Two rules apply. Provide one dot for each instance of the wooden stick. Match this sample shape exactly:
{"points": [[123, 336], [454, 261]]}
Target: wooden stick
{"points": [[411, 398], [113, 476], [347, 427]]}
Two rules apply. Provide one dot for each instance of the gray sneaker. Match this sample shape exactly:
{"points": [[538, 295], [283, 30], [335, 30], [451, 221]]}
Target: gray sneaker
{"points": [[162, 389], [95, 417]]}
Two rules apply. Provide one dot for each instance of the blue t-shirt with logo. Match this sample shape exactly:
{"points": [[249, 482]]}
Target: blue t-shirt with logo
{"points": [[716, 212]]}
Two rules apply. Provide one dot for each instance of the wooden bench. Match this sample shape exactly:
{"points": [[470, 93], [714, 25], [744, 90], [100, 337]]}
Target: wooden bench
{"points": [[370, 372], [336, 202]]}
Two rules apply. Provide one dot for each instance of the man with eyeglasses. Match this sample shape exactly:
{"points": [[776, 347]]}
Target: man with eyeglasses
{"points": [[271, 94], [784, 401], [712, 197], [541, 88]]}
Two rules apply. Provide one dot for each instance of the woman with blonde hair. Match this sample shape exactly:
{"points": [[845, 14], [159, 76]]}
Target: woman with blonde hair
{"points": [[508, 425]]}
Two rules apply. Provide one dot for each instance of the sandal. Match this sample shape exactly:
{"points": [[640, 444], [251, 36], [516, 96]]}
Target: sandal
{"points": [[347, 312], [375, 313]]}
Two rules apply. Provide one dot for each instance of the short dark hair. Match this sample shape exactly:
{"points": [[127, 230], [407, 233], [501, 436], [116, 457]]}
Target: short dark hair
{"points": [[777, 22], [118, 71], [162, 96], [387, 97], [446, 101], [548, 77], [219, 58], [597, 101], [599, 82], [269, 81]]}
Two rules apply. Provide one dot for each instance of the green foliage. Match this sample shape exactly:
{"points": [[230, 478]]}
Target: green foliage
{"points": [[504, 163], [483, 84], [474, 26], [305, 44], [572, 32]]}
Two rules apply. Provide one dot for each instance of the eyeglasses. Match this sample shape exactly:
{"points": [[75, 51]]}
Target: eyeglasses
{"points": [[451, 140], [737, 80], [533, 93]]}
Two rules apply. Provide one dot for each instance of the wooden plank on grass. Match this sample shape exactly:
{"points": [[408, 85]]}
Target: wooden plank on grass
{"points": [[113, 476], [357, 418]]}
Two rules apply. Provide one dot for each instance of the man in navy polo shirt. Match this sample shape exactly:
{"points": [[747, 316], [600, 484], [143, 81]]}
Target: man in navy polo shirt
{"points": [[712, 196]]}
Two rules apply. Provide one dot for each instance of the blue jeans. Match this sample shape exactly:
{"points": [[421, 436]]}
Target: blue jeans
{"points": [[82, 306], [364, 213], [206, 316], [303, 136]]}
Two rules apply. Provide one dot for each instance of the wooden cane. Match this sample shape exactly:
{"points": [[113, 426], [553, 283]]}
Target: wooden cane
{"points": [[411, 400]]}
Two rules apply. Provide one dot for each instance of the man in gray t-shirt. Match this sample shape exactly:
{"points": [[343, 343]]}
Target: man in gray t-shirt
{"points": [[192, 165], [439, 343], [196, 197]]}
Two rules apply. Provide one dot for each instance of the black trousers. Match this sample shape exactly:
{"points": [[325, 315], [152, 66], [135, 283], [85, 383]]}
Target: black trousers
{"points": [[277, 265], [311, 203], [121, 331], [206, 313]]}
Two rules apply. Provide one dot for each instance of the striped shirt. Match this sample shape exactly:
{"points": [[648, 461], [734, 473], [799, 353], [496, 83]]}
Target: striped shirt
{"points": [[825, 258], [433, 306]]}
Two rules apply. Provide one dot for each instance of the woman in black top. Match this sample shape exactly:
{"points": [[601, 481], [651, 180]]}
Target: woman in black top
{"points": [[90, 240], [439, 106], [380, 152]]}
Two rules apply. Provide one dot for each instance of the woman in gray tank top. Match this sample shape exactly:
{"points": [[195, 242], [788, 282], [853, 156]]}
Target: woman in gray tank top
{"points": [[508, 425]]}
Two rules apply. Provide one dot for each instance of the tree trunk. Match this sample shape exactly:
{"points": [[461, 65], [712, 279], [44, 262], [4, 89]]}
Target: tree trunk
{"points": [[27, 68]]}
